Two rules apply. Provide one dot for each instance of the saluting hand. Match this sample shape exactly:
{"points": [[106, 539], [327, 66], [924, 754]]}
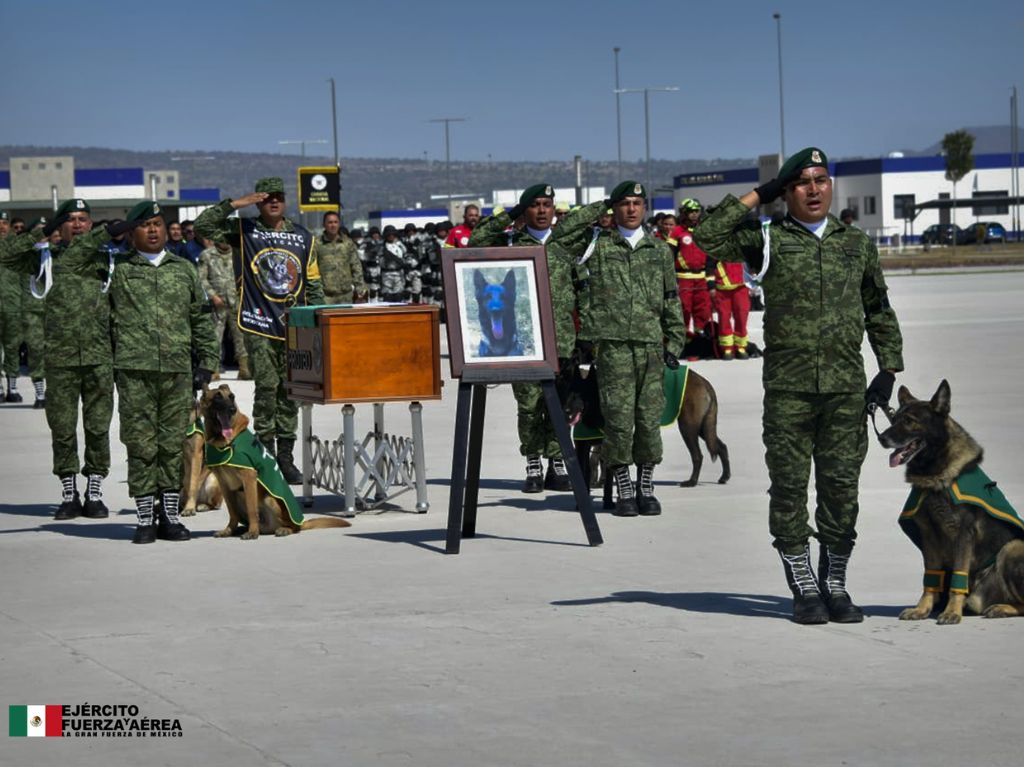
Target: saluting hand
{"points": [[250, 199]]}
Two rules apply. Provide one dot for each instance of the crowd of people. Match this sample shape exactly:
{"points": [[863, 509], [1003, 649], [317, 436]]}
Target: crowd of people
{"points": [[147, 303]]}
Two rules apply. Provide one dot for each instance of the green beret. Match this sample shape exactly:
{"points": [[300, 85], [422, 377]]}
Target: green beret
{"points": [[271, 185], [627, 189], [811, 157], [4, 215], [41, 221], [74, 205], [535, 191], [144, 211]]}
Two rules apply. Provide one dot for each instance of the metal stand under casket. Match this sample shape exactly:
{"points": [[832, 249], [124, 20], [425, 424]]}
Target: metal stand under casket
{"points": [[369, 473]]}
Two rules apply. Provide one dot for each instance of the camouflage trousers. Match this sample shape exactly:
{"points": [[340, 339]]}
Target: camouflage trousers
{"points": [[10, 340], [35, 339], [226, 319], [93, 385], [632, 397], [274, 414], [536, 434], [831, 429], [154, 410]]}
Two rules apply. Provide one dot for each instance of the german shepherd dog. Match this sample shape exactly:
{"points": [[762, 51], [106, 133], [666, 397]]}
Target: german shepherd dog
{"points": [[199, 490], [956, 537], [496, 305], [698, 418], [251, 509]]}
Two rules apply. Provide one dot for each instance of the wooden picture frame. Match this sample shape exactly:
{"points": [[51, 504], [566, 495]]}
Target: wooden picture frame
{"points": [[488, 334]]}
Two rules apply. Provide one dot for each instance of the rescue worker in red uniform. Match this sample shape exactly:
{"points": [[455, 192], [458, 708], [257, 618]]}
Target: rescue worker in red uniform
{"points": [[732, 302], [459, 236], [691, 263]]}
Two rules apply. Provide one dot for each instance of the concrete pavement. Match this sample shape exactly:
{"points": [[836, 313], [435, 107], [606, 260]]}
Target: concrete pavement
{"points": [[670, 644]]}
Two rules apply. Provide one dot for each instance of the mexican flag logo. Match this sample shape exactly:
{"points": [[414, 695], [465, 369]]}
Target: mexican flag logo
{"points": [[35, 721]]}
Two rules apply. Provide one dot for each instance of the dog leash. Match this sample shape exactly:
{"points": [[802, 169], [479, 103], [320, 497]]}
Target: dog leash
{"points": [[889, 413]]}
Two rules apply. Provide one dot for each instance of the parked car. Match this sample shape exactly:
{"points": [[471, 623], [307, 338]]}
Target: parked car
{"points": [[994, 232], [942, 234]]}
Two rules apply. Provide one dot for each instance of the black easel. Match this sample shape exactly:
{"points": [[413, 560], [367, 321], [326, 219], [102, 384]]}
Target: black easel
{"points": [[469, 437]]}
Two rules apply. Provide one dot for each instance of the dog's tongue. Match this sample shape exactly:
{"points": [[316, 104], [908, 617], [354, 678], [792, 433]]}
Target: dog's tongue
{"points": [[228, 433], [895, 459], [496, 327]]}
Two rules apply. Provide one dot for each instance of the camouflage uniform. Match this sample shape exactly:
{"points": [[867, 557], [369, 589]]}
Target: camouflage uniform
{"points": [[414, 246], [341, 271], [629, 309], [275, 415], [32, 330], [158, 314], [78, 355], [370, 253], [820, 296], [11, 289], [536, 434], [217, 276], [393, 262]]}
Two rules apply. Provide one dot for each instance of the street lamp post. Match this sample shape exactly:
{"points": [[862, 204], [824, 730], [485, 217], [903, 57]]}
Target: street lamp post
{"points": [[782, 119], [448, 153], [647, 129], [334, 125], [618, 112]]}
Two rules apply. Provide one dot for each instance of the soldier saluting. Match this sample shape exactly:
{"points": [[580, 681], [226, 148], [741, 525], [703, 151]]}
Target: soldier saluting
{"points": [[277, 262], [823, 287]]}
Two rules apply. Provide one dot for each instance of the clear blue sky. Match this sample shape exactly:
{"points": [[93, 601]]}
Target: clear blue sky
{"points": [[533, 79]]}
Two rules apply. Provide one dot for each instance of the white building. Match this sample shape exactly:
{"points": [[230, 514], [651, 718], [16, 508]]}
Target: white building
{"points": [[882, 190]]}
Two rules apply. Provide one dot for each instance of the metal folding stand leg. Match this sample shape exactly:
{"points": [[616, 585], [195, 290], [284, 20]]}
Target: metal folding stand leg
{"points": [[349, 436], [419, 457]]}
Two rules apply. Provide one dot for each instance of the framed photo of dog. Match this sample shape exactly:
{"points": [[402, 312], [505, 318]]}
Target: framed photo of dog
{"points": [[498, 313]]}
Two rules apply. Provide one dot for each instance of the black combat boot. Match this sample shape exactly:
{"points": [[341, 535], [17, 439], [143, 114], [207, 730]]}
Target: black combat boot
{"points": [[169, 527], [647, 504], [625, 504], [146, 530], [71, 504], [832, 580], [286, 462], [534, 482], [94, 507], [557, 478], [808, 606]]}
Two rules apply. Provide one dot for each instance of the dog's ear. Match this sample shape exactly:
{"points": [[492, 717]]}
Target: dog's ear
{"points": [[940, 400], [478, 280], [903, 396], [510, 281]]}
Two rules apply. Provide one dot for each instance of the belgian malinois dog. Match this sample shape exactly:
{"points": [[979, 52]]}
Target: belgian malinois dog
{"points": [[698, 419], [971, 540], [199, 490], [257, 502]]}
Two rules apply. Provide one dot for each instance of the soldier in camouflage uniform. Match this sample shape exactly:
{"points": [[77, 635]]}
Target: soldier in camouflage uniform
{"points": [[158, 312], [823, 287], [11, 290], [77, 351], [370, 253], [631, 322], [217, 276], [536, 434], [341, 271], [275, 414], [394, 261], [413, 242]]}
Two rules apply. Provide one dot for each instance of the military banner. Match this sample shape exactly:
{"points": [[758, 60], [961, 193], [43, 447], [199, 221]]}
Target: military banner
{"points": [[273, 277], [319, 189]]}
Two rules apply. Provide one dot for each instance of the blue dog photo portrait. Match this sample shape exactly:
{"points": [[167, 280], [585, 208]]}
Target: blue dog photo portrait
{"points": [[498, 307]]}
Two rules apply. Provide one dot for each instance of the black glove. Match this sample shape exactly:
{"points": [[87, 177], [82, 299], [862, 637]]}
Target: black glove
{"points": [[671, 360], [118, 228], [55, 224], [564, 366], [515, 212], [586, 351], [880, 389], [771, 191], [201, 378]]}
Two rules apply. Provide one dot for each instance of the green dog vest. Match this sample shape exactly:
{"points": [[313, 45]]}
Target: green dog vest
{"points": [[674, 385], [245, 452]]}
